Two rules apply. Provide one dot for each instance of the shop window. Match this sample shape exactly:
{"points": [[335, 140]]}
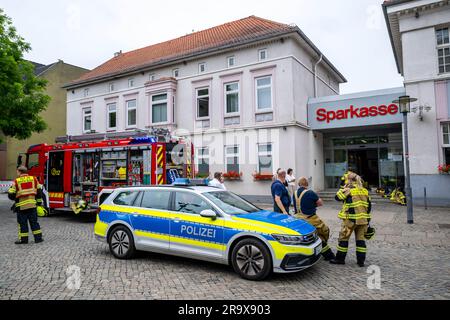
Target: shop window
{"points": [[203, 161], [232, 158], [265, 163]]}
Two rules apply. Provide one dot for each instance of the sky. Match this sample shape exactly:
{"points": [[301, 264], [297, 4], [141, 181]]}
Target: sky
{"points": [[352, 34]]}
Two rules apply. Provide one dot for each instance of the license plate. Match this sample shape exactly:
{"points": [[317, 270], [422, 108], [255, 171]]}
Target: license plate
{"points": [[317, 249]]}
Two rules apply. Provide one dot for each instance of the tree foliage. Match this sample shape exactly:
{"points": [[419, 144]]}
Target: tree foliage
{"points": [[22, 94]]}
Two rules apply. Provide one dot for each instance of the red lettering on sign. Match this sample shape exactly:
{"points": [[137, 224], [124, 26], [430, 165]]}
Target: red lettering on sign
{"points": [[354, 113]]}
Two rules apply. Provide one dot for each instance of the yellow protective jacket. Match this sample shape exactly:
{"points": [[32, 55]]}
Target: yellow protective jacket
{"points": [[24, 191], [356, 205]]}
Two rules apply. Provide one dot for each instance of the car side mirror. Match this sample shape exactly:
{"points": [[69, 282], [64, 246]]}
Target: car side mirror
{"points": [[208, 214]]}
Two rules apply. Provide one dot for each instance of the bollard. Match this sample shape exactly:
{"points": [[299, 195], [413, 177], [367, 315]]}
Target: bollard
{"points": [[425, 197]]}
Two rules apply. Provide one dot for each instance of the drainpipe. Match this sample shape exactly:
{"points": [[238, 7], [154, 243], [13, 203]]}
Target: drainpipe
{"points": [[315, 74]]}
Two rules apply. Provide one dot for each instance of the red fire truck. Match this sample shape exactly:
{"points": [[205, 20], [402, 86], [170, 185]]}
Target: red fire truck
{"points": [[75, 171]]}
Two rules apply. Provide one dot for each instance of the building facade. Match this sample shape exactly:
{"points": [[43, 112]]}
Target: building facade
{"points": [[57, 74], [419, 33], [238, 90]]}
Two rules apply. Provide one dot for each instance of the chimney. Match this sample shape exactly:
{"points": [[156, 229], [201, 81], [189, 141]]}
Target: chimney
{"points": [[116, 54]]}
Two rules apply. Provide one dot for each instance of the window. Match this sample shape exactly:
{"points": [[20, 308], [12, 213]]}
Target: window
{"points": [[152, 77], [87, 120], [443, 47], [265, 159], [130, 83], [230, 61], [156, 199], [175, 73], [446, 142], [32, 160], [112, 116], [86, 92], [232, 97], [203, 103], [203, 161], [126, 198], [159, 108], [232, 158], [201, 67], [131, 113], [262, 54], [190, 203], [230, 203], [264, 93], [111, 87]]}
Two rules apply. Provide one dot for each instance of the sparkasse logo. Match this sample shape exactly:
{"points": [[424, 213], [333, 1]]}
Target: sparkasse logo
{"points": [[352, 112]]}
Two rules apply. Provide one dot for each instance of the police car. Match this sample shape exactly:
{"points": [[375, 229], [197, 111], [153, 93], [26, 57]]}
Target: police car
{"points": [[206, 223]]}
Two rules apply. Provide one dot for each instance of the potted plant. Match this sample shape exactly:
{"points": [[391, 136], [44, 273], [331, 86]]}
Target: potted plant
{"points": [[232, 175], [258, 176], [444, 169]]}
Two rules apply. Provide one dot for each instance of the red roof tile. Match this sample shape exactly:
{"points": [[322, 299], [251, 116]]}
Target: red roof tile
{"points": [[236, 32]]}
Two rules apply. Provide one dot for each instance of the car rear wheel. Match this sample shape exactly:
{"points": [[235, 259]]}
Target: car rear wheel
{"points": [[251, 259], [121, 243]]}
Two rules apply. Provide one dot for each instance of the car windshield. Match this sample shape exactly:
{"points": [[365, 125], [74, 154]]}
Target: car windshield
{"points": [[230, 203]]}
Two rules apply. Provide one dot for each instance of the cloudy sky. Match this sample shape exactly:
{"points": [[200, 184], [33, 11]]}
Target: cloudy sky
{"points": [[351, 33]]}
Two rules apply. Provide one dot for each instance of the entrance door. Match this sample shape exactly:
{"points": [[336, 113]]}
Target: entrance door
{"points": [[365, 163]]}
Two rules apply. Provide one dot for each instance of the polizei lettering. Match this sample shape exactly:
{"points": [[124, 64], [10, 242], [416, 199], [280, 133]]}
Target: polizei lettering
{"points": [[354, 113], [198, 231]]}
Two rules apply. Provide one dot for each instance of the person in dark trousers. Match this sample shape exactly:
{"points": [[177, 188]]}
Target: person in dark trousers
{"points": [[280, 194], [306, 202], [24, 191]]}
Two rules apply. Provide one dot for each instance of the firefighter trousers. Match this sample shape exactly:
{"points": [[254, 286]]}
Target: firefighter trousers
{"points": [[322, 230], [348, 227], [25, 216]]}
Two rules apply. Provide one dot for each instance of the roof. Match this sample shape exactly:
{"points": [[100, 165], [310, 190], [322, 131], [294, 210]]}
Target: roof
{"points": [[40, 68], [235, 33]]}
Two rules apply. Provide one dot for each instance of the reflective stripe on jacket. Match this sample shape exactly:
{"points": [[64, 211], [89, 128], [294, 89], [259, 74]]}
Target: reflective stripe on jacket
{"points": [[24, 191], [356, 205]]}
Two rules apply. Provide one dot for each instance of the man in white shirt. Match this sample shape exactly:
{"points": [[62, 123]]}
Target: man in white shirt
{"points": [[217, 181], [290, 179]]}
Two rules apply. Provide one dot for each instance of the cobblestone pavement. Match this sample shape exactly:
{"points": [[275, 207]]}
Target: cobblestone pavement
{"points": [[414, 261]]}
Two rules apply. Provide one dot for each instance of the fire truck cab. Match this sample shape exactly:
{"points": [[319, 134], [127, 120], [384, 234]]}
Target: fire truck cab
{"points": [[75, 171]]}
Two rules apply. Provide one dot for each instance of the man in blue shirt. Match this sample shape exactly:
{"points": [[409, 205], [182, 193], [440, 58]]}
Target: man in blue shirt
{"points": [[305, 205], [280, 194]]}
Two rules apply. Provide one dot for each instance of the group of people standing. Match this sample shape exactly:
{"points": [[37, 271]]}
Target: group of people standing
{"points": [[355, 212]]}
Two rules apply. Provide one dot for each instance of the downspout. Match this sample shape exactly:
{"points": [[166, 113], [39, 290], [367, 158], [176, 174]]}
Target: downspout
{"points": [[315, 74]]}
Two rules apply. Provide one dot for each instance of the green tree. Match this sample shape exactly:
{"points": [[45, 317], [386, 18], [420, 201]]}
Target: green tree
{"points": [[22, 94]]}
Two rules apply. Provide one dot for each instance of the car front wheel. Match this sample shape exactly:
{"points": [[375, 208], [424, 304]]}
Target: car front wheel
{"points": [[121, 243], [251, 259]]}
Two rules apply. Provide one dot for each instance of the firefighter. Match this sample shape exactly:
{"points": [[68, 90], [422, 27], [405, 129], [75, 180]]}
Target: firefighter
{"points": [[355, 215], [344, 178], [24, 191], [306, 202]]}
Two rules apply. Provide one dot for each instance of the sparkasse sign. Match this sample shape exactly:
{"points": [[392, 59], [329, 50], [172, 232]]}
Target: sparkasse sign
{"points": [[361, 109]]}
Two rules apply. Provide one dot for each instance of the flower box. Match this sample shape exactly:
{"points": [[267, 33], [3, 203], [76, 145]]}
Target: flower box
{"points": [[262, 176], [232, 175], [444, 169]]}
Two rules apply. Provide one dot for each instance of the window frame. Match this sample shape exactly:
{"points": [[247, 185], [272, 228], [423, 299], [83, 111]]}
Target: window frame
{"points": [[264, 153], [226, 93], [176, 72], [169, 200], [111, 87], [108, 112], [153, 103], [84, 115], [197, 97], [263, 110], [127, 110], [152, 76], [232, 155], [200, 65], [204, 199], [86, 92], [263, 50], [442, 47], [445, 124], [131, 83], [228, 61]]}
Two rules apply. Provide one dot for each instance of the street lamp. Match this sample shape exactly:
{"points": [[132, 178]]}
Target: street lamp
{"points": [[405, 107]]}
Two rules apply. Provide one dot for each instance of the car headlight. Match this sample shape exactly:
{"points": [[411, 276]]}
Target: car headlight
{"points": [[295, 240]]}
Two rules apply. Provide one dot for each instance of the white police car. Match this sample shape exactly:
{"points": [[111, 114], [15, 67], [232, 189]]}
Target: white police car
{"points": [[209, 224]]}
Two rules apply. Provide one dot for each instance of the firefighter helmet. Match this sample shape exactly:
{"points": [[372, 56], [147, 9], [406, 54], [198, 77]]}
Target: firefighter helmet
{"points": [[370, 233], [41, 211]]}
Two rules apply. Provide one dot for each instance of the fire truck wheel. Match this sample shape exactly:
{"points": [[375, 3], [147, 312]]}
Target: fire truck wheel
{"points": [[121, 243]]}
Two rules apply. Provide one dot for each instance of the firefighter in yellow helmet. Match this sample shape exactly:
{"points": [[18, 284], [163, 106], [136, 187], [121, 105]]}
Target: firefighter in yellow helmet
{"points": [[24, 191], [344, 178], [355, 215]]}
